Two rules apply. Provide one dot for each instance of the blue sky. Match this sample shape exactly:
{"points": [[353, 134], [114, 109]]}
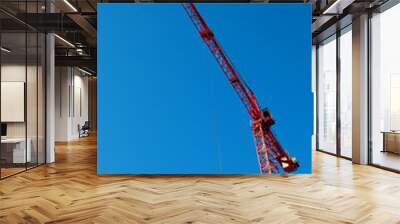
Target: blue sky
{"points": [[165, 105]]}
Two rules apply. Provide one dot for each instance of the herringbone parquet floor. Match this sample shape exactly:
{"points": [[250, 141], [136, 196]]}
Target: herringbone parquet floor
{"points": [[69, 191]]}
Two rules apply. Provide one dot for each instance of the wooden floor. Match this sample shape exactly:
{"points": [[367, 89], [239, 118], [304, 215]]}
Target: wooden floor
{"points": [[5, 172], [69, 191]]}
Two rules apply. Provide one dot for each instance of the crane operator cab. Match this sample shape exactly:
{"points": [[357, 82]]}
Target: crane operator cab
{"points": [[267, 117]]}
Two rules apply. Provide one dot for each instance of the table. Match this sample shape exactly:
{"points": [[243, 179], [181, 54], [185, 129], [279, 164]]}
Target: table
{"points": [[391, 141], [13, 150]]}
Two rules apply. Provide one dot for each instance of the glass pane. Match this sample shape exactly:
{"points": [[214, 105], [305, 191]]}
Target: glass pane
{"points": [[32, 95], [41, 99], [14, 153], [327, 96], [22, 90], [346, 94], [386, 89]]}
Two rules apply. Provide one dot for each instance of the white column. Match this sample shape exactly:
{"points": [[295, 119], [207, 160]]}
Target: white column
{"points": [[50, 92], [360, 90]]}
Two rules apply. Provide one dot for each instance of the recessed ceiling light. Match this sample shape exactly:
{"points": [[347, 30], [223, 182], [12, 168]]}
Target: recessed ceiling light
{"points": [[337, 7], [65, 41], [70, 5], [84, 71], [5, 50]]}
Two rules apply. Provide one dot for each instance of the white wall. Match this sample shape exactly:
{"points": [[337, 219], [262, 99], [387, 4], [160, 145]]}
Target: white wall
{"points": [[17, 73], [10, 73], [71, 102], [79, 110]]}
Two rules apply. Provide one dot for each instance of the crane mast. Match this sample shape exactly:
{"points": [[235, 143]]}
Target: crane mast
{"points": [[269, 152]]}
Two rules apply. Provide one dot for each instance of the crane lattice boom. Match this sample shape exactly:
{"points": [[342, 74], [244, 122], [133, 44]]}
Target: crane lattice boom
{"points": [[269, 152]]}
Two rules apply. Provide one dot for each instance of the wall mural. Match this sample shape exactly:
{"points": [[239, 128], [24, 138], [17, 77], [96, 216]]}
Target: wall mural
{"points": [[168, 106]]}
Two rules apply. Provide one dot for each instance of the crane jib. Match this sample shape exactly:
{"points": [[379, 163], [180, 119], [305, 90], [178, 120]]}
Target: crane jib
{"points": [[270, 154]]}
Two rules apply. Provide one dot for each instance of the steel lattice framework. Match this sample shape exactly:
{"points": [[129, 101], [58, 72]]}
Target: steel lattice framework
{"points": [[269, 152]]}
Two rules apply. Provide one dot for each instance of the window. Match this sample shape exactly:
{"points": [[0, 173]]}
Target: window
{"points": [[327, 95], [385, 89], [346, 92]]}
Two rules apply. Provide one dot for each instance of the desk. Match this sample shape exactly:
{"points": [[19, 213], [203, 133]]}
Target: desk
{"points": [[13, 150], [391, 141]]}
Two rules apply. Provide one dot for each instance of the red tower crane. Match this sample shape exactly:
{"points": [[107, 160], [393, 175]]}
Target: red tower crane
{"points": [[269, 152]]}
